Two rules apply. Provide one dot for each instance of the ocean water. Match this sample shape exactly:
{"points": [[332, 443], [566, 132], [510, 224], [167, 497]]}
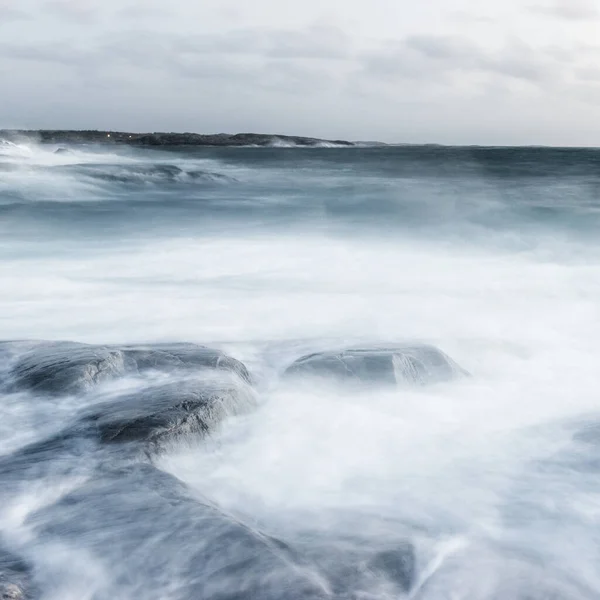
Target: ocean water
{"points": [[490, 254]]}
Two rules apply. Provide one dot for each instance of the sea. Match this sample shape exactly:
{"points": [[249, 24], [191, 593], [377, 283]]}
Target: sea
{"points": [[481, 488]]}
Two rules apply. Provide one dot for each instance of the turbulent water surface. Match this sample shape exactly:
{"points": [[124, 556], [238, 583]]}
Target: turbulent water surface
{"points": [[478, 487]]}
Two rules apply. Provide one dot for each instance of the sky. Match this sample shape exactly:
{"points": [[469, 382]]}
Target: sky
{"points": [[426, 71]]}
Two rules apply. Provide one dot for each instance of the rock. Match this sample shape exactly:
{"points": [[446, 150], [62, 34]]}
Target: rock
{"points": [[415, 364], [67, 367], [165, 412], [152, 532], [167, 357], [184, 403], [15, 577]]}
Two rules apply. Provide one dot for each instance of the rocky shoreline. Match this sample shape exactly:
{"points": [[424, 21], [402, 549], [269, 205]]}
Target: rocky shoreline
{"points": [[46, 136], [125, 501]]}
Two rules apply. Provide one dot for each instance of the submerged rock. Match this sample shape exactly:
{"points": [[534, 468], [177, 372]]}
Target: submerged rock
{"points": [[486, 573], [15, 577], [588, 432], [159, 540], [415, 364], [397, 565], [356, 567], [67, 367]]}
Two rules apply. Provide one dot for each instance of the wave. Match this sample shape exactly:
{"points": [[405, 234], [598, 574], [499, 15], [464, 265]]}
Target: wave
{"points": [[33, 173], [13, 150], [278, 142], [150, 174], [29, 153]]}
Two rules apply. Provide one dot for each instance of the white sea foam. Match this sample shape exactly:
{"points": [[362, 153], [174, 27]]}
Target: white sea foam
{"points": [[464, 469]]}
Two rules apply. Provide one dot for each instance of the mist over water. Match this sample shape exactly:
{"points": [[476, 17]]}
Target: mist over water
{"points": [[490, 254]]}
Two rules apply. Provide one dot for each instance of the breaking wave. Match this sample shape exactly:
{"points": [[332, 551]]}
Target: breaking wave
{"points": [[153, 174], [34, 173]]}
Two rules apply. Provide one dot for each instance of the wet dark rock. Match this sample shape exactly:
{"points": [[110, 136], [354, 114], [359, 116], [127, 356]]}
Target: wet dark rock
{"points": [[166, 412], [185, 540], [166, 357], [56, 458], [149, 418], [15, 577], [414, 364], [67, 367]]}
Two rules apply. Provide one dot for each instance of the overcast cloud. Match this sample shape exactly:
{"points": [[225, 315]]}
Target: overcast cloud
{"points": [[448, 71], [576, 10]]}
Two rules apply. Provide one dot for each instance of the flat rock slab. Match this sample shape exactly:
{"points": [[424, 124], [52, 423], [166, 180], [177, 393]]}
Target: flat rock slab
{"points": [[151, 530], [411, 364], [68, 367], [207, 553]]}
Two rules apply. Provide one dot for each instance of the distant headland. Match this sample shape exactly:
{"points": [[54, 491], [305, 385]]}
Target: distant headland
{"points": [[47, 136]]}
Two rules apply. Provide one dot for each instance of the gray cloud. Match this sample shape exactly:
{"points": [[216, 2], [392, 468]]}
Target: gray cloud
{"points": [[71, 10], [520, 61], [253, 55], [428, 56], [138, 12], [9, 14], [588, 74], [463, 16], [570, 10], [277, 61], [331, 68], [60, 53], [441, 48], [321, 43], [233, 51]]}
